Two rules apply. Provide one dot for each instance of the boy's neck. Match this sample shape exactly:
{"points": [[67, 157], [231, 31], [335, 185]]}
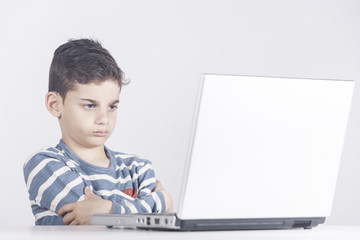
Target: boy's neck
{"points": [[95, 156]]}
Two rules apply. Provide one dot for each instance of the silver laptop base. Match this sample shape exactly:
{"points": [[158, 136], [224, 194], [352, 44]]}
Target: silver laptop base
{"points": [[249, 224], [171, 222]]}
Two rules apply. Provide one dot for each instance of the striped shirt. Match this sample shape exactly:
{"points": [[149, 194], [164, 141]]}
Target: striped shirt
{"points": [[57, 176]]}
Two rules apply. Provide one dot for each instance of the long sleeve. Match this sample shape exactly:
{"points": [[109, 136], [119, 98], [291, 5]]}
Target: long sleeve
{"points": [[143, 198], [51, 184], [54, 179]]}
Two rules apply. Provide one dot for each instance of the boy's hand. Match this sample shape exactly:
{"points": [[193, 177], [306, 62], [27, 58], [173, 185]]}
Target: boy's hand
{"points": [[168, 200], [79, 213]]}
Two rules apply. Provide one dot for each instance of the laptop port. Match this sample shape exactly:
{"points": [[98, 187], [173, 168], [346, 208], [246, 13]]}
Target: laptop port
{"points": [[157, 221], [148, 221]]}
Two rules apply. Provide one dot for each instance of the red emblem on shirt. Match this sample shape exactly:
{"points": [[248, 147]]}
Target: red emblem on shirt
{"points": [[131, 192]]}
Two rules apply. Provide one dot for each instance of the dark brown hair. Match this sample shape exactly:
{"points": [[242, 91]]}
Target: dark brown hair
{"points": [[82, 61]]}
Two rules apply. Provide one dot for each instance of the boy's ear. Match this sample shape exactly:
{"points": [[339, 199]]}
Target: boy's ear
{"points": [[53, 102]]}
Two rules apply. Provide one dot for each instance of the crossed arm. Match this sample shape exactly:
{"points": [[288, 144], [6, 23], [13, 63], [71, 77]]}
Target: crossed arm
{"points": [[80, 213], [46, 177]]}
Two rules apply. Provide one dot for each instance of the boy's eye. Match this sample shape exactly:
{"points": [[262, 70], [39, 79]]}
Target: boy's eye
{"points": [[89, 106], [113, 107]]}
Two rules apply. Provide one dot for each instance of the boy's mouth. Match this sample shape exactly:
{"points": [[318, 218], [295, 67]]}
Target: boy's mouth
{"points": [[100, 133]]}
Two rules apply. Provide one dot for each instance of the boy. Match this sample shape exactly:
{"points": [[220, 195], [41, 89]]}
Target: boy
{"points": [[81, 176]]}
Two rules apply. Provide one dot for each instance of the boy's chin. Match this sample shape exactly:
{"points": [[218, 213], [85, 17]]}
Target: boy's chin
{"points": [[89, 142], [96, 142]]}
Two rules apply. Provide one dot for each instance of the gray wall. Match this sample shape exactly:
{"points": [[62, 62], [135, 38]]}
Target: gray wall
{"points": [[163, 47]]}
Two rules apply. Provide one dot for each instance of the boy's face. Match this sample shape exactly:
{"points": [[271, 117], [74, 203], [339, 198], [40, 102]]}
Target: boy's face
{"points": [[88, 114]]}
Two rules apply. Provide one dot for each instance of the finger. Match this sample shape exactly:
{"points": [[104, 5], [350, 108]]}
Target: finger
{"points": [[159, 183], [158, 186], [89, 193], [75, 222], [69, 218], [66, 208]]}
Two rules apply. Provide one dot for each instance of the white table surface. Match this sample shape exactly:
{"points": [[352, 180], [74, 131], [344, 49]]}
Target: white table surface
{"points": [[98, 232]]}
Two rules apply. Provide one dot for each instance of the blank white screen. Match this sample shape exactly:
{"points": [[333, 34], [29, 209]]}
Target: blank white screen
{"points": [[266, 147]]}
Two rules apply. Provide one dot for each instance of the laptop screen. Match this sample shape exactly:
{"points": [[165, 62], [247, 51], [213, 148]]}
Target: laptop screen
{"points": [[265, 147]]}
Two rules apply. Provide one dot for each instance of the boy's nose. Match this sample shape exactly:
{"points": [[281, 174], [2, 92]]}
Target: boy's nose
{"points": [[102, 118]]}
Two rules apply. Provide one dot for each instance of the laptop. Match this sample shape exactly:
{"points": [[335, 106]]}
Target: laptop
{"points": [[264, 154]]}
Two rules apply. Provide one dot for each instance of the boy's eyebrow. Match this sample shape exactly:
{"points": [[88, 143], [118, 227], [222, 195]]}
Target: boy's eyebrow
{"points": [[88, 100], [95, 102]]}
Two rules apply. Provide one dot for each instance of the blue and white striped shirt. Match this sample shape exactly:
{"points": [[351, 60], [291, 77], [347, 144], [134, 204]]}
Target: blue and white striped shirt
{"points": [[57, 176]]}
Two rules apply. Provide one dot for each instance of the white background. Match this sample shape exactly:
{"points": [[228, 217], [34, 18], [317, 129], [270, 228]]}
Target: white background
{"points": [[163, 47]]}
